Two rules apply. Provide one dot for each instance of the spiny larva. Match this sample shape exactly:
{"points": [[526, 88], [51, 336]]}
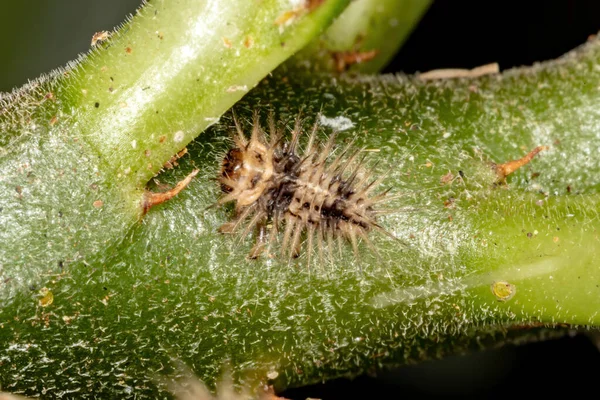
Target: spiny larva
{"points": [[307, 194]]}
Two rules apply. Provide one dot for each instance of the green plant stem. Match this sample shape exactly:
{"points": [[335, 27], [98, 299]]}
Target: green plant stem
{"points": [[176, 288], [178, 69], [379, 26], [77, 148]]}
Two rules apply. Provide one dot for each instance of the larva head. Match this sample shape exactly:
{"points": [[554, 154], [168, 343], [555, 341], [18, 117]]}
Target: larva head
{"points": [[232, 164], [246, 172]]}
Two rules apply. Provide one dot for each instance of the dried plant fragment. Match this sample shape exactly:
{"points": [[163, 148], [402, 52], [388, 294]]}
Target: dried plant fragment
{"points": [[344, 59], [173, 160], [152, 199], [507, 168], [453, 73]]}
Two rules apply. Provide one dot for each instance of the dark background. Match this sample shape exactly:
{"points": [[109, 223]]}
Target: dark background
{"points": [[37, 36]]}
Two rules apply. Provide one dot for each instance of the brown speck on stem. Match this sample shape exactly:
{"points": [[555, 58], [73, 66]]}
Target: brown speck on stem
{"points": [[445, 179], [128, 50], [53, 120], [248, 42], [507, 168], [226, 42], [286, 18], [98, 204], [344, 59], [152, 199], [449, 203], [173, 161], [312, 5]]}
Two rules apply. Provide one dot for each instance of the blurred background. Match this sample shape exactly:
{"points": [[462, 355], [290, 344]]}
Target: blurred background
{"points": [[38, 36]]}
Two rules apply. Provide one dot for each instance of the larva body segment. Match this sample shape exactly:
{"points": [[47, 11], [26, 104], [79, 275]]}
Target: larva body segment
{"points": [[310, 195]]}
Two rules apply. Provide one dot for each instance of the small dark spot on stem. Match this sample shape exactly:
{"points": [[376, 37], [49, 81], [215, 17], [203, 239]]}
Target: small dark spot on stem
{"points": [[529, 235], [96, 104]]}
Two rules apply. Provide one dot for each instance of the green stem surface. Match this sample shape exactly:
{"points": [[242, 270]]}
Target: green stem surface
{"points": [[78, 147], [177, 289], [370, 30]]}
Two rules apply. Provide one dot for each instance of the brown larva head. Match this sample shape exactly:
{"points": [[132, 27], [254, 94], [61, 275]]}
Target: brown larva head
{"points": [[246, 171], [232, 165]]}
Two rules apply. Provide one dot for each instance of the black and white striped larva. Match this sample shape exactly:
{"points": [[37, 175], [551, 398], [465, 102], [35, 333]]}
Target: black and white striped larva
{"points": [[311, 196]]}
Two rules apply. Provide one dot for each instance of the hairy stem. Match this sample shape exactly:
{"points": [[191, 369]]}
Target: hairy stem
{"points": [[482, 260]]}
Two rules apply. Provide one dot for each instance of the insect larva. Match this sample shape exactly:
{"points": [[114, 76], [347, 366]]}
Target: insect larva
{"points": [[308, 195]]}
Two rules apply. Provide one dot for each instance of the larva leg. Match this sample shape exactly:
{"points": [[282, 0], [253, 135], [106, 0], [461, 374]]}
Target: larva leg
{"points": [[231, 227], [354, 241], [227, 227], [274, 231], [296, 245], [289, 228], [261, 241], [309, 245], [330, 246]]}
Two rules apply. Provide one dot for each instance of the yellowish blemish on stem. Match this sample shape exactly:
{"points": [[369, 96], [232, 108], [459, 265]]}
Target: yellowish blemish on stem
{"points": [[503, 290], [47, 297]]}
